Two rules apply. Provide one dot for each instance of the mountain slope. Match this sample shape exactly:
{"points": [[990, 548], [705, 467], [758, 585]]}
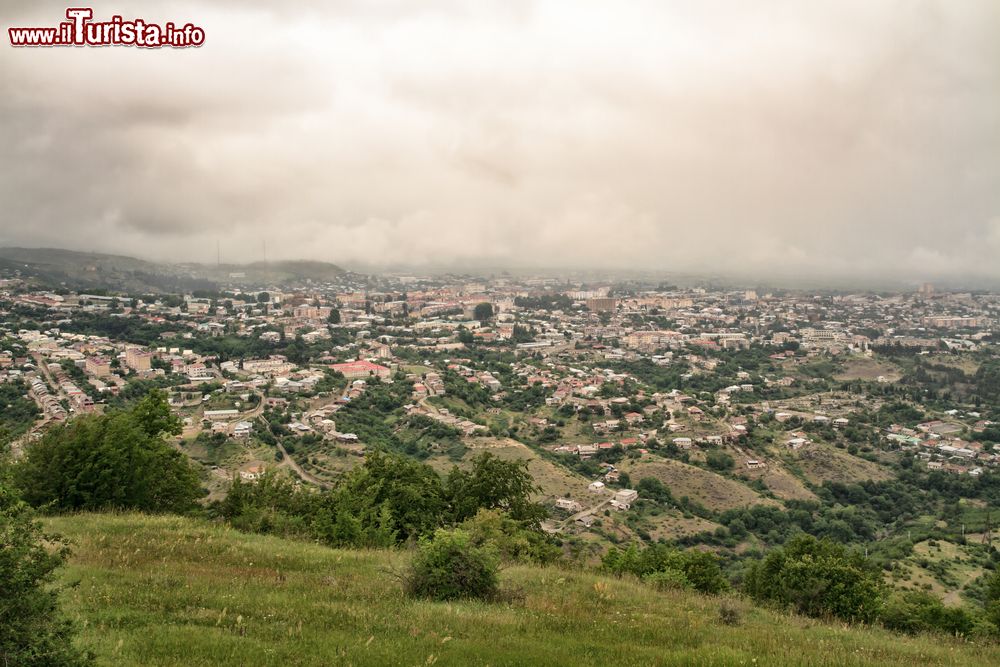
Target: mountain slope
{"points": [[172, 591], [84, 270]]}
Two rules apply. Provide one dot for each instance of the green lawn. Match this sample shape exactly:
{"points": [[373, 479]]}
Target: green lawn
{"points": [[171, 591]]}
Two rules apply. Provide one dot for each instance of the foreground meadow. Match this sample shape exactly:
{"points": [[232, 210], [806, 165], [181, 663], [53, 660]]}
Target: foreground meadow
{"points": [[171, 591]]}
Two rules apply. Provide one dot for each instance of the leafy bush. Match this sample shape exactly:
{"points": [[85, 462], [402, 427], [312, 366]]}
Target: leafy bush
{"points": [[913, 612], [32, 631], [115, 460], [817, 578], [719, 461], [668, 580], [513, 541], [700, 568], [450, 567]]}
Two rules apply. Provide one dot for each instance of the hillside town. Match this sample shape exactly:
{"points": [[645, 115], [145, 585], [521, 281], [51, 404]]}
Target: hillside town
{"points": [[597, 384]]}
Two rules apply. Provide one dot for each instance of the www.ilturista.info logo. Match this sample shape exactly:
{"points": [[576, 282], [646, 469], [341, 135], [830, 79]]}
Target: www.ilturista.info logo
{"points": [[80, 30]]}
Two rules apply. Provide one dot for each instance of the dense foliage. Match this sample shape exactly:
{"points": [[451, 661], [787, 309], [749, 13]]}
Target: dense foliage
{"points": [[493, 484], [33, 632], [916, 611], [389, 500], [17, 411], [817, 578], [691, 568], [451, 567], [112, 461]]}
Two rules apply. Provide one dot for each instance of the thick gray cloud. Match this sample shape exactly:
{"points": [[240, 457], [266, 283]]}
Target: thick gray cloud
{"points": [[840, 138]]}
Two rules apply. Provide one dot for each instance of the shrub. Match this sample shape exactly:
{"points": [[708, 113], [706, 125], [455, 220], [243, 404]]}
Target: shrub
{"points": [[512, 541], [116, 460], [451, 567], [729, 614], [701, 569], [818, 578], [668, 580], [719, 461], [912, 612], [33, 633]]}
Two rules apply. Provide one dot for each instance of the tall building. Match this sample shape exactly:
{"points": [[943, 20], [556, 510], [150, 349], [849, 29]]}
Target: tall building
{"points": [[98, 366], [138, 359], [601, 305]]}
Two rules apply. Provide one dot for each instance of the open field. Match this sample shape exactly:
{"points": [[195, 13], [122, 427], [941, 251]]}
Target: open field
{"points": [[702, 486], [166, 591], [864, 368], [821, 462], [941, 568], [782, 483]]}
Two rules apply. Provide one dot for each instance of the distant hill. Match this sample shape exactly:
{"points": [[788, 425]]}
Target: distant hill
{"points": [[269, 272], [55, 267], [162, 590]]}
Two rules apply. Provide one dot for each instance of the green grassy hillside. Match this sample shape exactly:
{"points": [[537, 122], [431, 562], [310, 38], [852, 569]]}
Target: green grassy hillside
{"points": [[172, 591]]}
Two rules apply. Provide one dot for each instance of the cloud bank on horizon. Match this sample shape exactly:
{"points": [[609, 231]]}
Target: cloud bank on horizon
{"points": [[840, 138]]}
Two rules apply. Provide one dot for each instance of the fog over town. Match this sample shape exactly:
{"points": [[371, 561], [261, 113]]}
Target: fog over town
{"points": [[800, 141]]}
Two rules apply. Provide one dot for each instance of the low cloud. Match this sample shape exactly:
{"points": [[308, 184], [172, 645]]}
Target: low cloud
{"points": [[830, 139]]}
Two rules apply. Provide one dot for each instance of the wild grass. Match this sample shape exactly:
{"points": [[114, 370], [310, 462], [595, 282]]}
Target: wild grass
{"points": [[170, 591]]}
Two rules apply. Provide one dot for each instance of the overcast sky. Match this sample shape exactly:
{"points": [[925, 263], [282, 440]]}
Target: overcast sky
{"points": [[837, 138]]}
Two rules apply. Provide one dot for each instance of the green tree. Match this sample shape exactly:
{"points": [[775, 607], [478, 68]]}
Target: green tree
{"points": [[115, 460], [400, 496], [818, 578], [33, 632], [465, 336], [494, 484], [450, 567], [720, 461], [334, 316], [483, 312]]}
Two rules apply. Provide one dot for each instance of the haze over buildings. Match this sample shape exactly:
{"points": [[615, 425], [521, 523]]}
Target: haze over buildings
{"points": [[822, 140]]}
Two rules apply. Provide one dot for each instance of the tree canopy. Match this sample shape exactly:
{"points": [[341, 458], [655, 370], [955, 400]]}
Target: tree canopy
{"points": [[112, 461], [817, 578], [33, 632]]}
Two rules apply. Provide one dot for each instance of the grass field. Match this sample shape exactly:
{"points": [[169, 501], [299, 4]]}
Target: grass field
{"points": [[782, 483], [863, 368], [941, 568], [703, 486], [821, 462], [169, 591]]}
